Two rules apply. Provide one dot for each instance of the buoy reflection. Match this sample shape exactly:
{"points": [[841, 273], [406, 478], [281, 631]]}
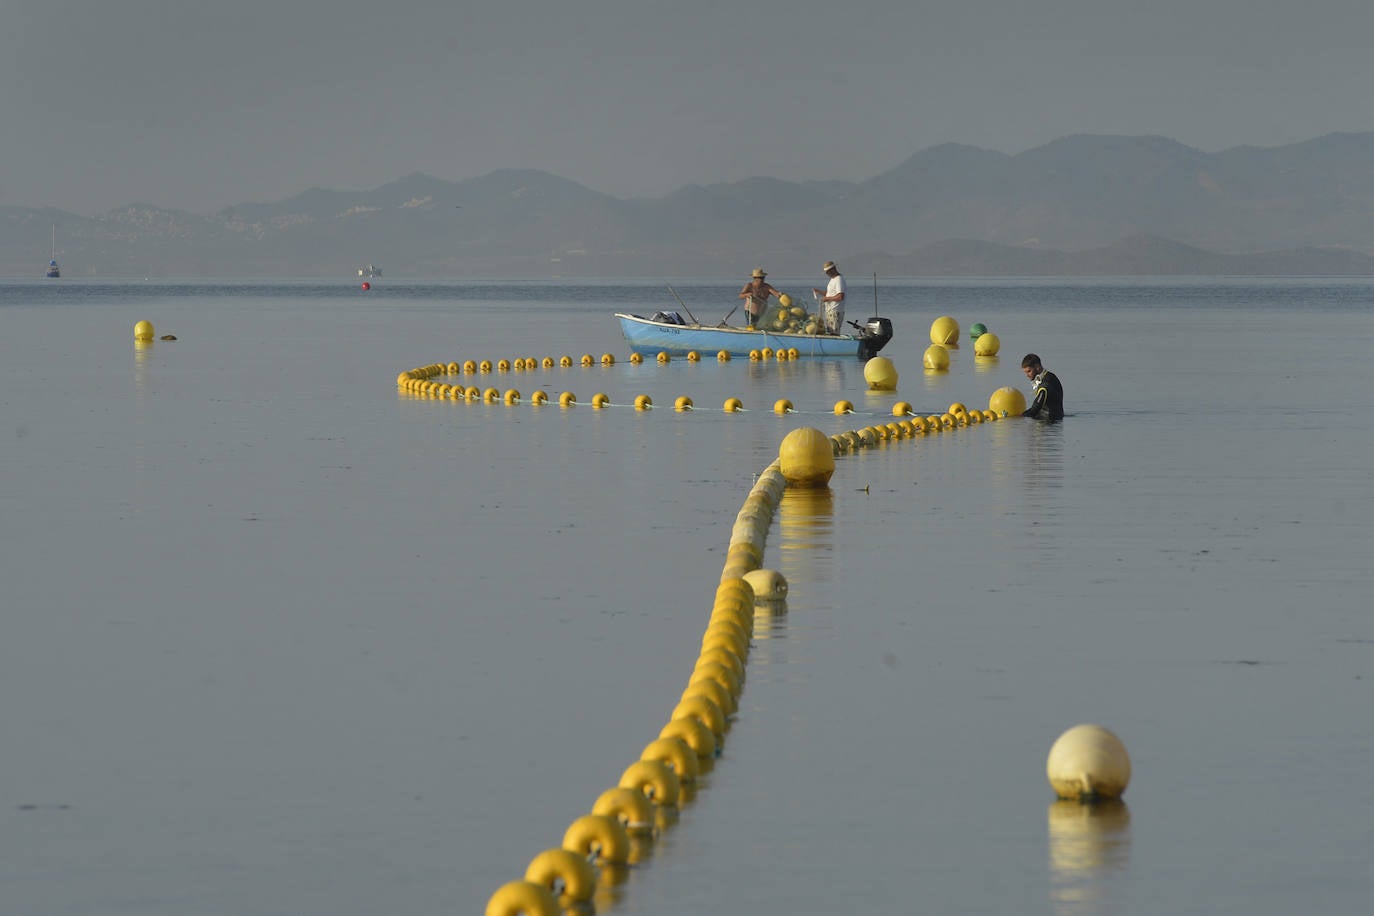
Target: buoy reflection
{"points": [[1088, 845]]}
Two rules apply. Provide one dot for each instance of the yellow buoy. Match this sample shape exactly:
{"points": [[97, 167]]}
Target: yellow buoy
{"points": [[469, 367], [548, 362], [600, 400], [987, 344], [484, 366], [643, 402], [655, 779], [636, 358], [782, 406], [936, 357], [1088, 762], [755, 356], [693, 356], [664, 357], [503, 365], [843, 407], [567, 399], [785, 301], [144, 331], [587, 360], [597, 836], [902, 409], [524, 898], [723, 356], [518, 364], [713, 689], [564, 873], [629, 807], [805, 458], [793, 353], [1009, 401], [565, 361], [453, 368], [682, 403], [700, 707], [733, 405], [769, 585], [512, 396], [675, 753], [491, 395], [698, 737], [766, 353], [539, 397], [607, 359], [944, 331], [880, 374]]}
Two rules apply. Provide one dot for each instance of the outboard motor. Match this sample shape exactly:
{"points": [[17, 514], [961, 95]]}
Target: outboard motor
{"points": [[873, 336]]}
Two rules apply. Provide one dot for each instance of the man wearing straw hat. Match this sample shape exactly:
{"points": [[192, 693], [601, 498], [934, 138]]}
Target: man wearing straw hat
{"points": [[832, 303], [755, 295]]}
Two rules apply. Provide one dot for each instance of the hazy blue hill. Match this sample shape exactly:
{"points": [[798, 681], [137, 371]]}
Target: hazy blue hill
{"points": [[1082, 203]]}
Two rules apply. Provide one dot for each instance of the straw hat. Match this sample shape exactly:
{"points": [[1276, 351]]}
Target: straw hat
{"points": [[828, 265], [758, 273]]}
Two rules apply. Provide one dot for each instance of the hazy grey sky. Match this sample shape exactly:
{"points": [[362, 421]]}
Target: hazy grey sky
{"points": [[200, 105]]}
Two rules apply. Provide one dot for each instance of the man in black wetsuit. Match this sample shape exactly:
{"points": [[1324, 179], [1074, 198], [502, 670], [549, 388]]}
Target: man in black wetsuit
{"points": [[1048, 395]]}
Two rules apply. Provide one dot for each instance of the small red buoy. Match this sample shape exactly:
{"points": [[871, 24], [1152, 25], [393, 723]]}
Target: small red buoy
{"points": [[367, 285]]}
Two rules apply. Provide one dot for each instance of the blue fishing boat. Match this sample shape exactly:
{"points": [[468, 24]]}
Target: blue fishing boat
{"points": [[667, 332]]}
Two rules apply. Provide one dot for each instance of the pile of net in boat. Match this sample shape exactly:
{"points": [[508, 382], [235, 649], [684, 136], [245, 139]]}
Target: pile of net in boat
{"points": [[792, 317]]}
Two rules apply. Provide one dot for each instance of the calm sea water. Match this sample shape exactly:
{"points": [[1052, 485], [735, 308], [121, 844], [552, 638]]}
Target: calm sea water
{"points": [[278, 640]]}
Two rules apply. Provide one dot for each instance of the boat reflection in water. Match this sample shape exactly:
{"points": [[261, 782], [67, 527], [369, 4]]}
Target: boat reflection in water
{"points": [[1089, 844]]}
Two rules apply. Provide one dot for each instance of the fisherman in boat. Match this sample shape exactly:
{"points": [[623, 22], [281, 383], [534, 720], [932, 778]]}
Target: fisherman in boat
{"points": [[755, 295], [832, 303], [1047, 394]]}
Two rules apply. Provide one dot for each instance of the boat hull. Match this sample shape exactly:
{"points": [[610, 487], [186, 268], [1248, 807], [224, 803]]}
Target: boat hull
{"points": [[647, 336]]}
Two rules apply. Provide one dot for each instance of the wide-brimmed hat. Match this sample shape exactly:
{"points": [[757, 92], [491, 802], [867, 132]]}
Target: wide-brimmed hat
{"points": [[758, 273], [828, 265]]}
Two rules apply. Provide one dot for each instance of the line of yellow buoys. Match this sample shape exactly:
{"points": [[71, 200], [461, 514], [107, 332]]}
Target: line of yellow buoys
{"points": [[624, 821]]}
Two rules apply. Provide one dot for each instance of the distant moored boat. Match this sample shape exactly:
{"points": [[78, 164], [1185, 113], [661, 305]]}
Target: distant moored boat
{"points": [[370, 272], [53, 270]]}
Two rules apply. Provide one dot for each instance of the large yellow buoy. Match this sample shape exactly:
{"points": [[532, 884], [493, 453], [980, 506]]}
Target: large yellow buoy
{"points": [[643, 402], [1088, 762], [903, 409], [1007, 401], [843, 407], [723, 356], [683, 402], [987, 344], [769, 585], [523, 898], [785, 301], [806, 458], [880, 374], [936, 357], [944, 331], [144, 330], [782, 406], [733, 405]]}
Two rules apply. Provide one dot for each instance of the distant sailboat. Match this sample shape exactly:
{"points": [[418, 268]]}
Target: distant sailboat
{"points": [[53, 270]]}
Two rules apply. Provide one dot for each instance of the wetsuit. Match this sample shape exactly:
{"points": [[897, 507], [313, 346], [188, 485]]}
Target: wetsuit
{"points": [[1048, 404]]}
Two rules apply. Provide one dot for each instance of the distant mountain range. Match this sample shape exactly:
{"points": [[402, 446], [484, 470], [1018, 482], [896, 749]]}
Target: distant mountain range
{"points": [[1081, 205]]}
